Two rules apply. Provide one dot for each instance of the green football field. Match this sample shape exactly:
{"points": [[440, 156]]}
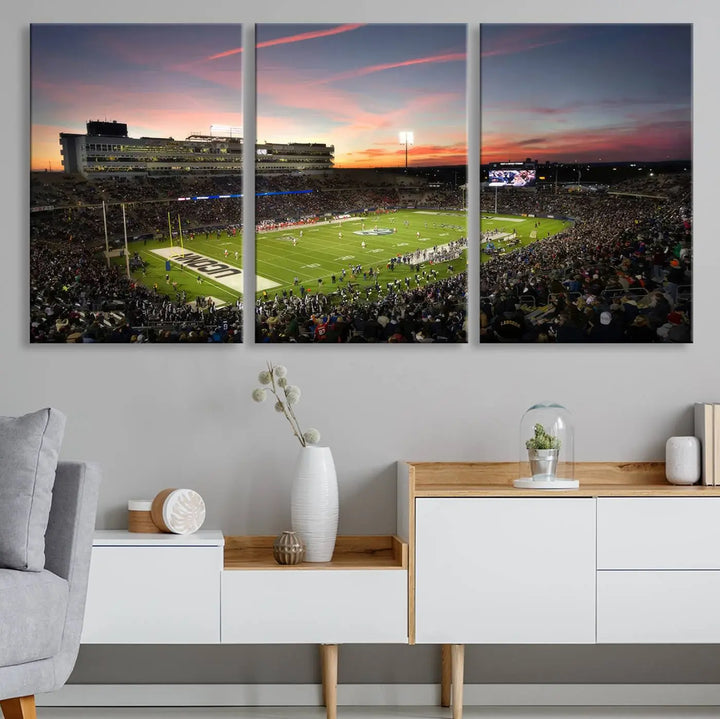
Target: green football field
{"points": [[528, 229], [181, 278], [316, 252], [309, 253], [324, 250]]}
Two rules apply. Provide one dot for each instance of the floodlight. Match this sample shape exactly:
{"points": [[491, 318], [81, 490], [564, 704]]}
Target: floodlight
{"points": [[407, 137]]}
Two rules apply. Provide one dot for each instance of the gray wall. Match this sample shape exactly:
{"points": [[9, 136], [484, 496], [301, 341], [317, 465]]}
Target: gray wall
{"points": [[158, 416]]}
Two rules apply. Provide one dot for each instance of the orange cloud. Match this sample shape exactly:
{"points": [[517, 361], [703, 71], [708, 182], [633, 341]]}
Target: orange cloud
{"points": [[515, 50], [359, 72], [292, 38], [419, 156]]}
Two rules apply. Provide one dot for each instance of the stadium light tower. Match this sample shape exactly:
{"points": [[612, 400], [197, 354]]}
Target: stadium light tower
{"points": [[407, 138]]}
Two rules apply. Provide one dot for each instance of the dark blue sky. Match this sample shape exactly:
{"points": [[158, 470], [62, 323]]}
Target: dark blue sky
{"points": [[586, 92]]}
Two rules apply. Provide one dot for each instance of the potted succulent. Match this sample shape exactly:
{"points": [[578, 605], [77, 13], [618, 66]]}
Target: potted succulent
{"points": [[543, 451]]}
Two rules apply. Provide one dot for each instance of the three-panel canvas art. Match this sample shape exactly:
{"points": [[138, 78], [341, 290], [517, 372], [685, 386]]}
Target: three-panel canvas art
{"points": [[580, 230]]}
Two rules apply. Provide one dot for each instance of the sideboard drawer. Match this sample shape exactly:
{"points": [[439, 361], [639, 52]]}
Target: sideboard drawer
{"points": [[658, 532], [153, 595], [299, 606], [658, 607]]}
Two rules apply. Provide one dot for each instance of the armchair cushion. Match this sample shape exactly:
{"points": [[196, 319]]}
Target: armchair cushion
{"points": [[29, 448], [34, 605]]}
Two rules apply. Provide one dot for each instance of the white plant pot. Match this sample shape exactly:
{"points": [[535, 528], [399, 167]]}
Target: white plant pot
{"points": [[314, 503]]}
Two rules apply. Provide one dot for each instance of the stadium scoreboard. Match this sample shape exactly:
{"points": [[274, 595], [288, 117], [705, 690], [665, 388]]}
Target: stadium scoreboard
{"points": [[512, 174]]}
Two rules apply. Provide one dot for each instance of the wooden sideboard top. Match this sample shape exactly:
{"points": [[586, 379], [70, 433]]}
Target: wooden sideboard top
{"points": [[360, 552], [597, 479]]}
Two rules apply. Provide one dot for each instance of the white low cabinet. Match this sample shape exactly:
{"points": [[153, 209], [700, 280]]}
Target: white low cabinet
{"points": [[154, 588], [505, 570], [286, 606]]}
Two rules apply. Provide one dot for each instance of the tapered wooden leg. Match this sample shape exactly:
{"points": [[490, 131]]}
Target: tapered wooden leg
{"points": [[457, 652], [19, 708], [330, 673], [323, 672], [446, 676]]}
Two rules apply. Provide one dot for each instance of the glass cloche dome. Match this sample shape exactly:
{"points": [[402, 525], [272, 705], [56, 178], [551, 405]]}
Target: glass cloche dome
{"points": [[546, 448]]}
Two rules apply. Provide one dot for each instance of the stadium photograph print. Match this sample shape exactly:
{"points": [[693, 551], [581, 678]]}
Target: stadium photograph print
{"points": [[586, 183], [361, 168], [136, 183]]}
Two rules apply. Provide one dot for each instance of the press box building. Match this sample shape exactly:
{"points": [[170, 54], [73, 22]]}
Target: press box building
{"points": [[106, 150]]}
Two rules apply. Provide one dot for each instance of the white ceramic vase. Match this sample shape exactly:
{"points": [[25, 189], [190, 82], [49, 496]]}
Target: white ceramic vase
{"points": [[682, 460], [314, 503]]}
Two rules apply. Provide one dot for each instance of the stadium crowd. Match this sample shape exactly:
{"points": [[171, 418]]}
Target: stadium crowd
{"points": [[75, 297], [621, 273], [436, 312]]}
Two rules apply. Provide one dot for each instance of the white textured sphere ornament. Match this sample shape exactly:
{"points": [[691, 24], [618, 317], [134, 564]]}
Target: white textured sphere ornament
{"points": [[682, 460], [180, 511]]}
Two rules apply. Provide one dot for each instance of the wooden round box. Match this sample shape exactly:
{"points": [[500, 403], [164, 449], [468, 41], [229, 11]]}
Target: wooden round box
{"points": [[140, 518], [180, 511]]}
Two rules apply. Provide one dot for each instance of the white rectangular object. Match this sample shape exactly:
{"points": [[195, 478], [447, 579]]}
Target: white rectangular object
{"points": [[123, 538], [658, 607], [153, 594], [285, 606], [658, 533], [505, 570]]}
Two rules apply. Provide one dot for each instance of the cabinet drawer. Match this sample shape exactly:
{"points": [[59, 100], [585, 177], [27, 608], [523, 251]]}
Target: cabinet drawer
{"points": [[286, 606], [658, 607], [153, 595], [658, 532]]}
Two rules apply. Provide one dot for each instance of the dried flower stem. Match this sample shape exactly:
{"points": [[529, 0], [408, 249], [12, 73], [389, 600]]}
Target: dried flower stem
{"points": [[286, 408]]}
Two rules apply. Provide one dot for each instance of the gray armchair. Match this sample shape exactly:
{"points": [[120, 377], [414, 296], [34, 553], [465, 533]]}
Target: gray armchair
{"points": [[41, 613]]}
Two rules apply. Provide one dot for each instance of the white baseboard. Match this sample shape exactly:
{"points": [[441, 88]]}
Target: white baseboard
{"points": [[228, 695]]}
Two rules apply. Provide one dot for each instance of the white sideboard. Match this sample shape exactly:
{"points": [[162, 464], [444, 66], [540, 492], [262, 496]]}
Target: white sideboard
{"points": [[205, 588], [174, 589], [627, 558]]}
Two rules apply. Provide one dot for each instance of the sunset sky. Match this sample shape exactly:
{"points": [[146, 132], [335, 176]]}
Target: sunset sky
{"points": [[586, 93], [570, 93], [357, 86], [162, 80]]}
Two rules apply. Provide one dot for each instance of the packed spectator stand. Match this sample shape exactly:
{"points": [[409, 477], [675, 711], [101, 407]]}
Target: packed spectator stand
{"points": [[621, 273]]}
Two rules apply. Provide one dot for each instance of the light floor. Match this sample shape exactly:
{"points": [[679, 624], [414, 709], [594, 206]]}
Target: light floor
{"points": [[384, 713]]}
